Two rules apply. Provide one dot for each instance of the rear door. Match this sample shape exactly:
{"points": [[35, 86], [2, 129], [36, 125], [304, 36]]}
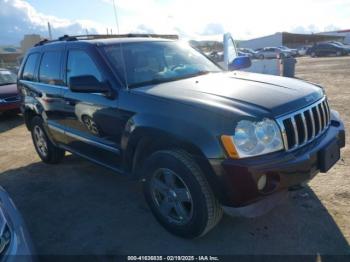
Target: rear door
{"points": [[91, 119], [44, 88]]}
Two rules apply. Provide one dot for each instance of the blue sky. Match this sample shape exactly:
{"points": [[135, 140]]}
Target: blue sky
{"points": [[95, 9], [188, 18]]}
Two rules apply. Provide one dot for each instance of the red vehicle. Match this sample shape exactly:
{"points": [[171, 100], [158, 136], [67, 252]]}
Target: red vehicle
{"points": [[9, 96]]}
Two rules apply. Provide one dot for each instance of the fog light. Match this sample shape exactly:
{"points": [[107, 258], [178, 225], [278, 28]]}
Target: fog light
{"points": [[261, 182]]}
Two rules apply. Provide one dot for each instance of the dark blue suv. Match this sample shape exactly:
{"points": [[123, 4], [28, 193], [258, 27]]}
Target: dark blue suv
{"points": [[201, 140], [327, 49]]}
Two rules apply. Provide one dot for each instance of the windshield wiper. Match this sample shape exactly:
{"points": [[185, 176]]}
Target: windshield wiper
{"points": [[163, 80], [150, 82]]}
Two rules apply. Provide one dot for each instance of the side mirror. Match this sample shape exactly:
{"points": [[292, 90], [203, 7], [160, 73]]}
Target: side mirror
{"points": [[87, 84], [240, 62]]}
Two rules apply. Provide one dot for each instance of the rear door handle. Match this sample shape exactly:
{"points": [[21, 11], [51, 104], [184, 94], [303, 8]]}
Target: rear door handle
{"points": [[70, 103]]}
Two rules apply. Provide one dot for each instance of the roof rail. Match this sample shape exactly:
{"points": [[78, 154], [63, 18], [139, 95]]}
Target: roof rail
{"points": [[96, 36]]}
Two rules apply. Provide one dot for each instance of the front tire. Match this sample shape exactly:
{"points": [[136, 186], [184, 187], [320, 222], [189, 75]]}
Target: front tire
{"points": [[179, 195], [48, 152]]}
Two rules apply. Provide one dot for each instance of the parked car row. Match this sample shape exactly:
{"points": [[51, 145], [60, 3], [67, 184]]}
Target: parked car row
{"points": [[321, 49], [268, 52]]}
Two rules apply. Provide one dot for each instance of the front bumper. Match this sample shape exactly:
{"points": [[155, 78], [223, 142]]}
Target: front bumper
{"points": [[238, 178]]}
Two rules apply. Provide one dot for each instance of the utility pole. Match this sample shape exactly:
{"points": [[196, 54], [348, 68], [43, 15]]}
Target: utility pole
{"points": [[49, 28]]}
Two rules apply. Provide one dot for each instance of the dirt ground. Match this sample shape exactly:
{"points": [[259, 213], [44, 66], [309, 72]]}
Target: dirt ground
{"points": [[80, 208]]}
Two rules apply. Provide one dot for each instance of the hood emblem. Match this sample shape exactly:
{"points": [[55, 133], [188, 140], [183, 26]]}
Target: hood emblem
{"points": [[309, 98]]}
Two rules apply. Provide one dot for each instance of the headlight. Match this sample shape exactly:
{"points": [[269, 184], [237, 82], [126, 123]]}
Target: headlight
{"points": [[255, 138]]}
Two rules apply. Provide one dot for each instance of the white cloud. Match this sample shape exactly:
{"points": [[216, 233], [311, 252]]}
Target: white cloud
{"points": [[188, 18], [244, 19], [18, 17]]}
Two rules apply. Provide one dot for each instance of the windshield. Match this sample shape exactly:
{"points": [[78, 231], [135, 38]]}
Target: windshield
{"points": [[7, 77], [157, 62]]}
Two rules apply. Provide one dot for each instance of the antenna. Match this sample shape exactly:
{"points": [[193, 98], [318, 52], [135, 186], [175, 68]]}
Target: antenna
{"points": [[116, 15], [121, 46]]}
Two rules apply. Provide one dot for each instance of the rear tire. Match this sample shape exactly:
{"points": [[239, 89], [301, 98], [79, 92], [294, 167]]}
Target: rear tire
{"points": [[48, 152], [200, 211], [313, 54]]}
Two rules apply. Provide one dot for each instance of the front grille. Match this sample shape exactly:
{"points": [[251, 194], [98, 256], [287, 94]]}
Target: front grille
{"points": [[303, 126], [12, 99]]}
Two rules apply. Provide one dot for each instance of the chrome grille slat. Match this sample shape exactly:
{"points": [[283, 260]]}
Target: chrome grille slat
{"points": [[324, 115], [305, 125], [328, 112], [319, 120], [284, 136], [296, 133], [312, 123]]}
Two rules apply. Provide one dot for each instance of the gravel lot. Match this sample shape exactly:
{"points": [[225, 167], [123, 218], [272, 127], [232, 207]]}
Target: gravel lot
{"points": [[80, 208]]}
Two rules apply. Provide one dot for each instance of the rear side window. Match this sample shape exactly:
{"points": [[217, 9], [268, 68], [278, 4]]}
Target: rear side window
{"points": [[50, 68], [80, 64], [29, 68]]}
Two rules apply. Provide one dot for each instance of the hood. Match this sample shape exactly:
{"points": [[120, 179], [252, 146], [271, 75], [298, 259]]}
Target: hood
{"points": [[8, 90], [248, 92]]}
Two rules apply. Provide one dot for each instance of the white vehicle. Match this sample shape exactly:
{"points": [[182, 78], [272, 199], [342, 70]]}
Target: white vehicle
{"points": [[302, 51], [293, 51], [224, 51]]}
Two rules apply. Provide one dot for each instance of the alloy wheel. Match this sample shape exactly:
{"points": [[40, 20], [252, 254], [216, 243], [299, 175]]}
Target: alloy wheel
{"points": [[171, 196], [40, 141]]}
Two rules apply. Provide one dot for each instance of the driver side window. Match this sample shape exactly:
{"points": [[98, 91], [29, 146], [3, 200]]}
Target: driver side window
{"points": [[80, 63]]}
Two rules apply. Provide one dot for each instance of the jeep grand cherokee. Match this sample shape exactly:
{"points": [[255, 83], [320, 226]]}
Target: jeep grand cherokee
{"points": [[201, 140]]}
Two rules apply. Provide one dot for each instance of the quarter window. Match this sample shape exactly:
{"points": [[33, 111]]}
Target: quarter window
{"points": [[80, 64], [29, 68], [50, 66]]}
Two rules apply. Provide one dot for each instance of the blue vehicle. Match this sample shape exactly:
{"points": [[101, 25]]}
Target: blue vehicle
{"points": [[327, 49], [201, 140], [15, 241]]}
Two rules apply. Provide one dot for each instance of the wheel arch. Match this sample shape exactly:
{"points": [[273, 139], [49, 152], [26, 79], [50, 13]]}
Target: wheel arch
{"points": [[29, 113], [147, 140]]}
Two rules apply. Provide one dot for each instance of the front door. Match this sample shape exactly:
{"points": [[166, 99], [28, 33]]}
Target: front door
{"points": [[91, 119]]}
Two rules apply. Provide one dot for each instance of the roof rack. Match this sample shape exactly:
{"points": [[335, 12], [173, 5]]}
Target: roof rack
{"points": [[91, 37]]}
